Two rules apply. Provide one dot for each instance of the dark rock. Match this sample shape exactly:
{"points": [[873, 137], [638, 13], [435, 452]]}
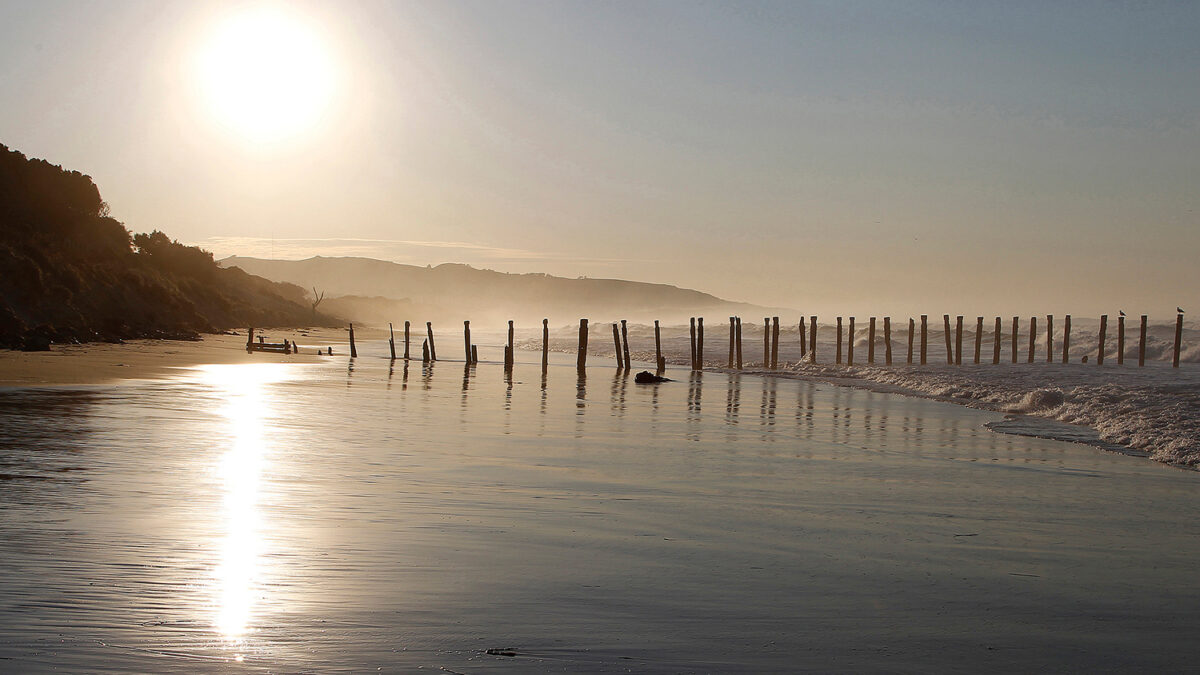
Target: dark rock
{"points": [[647, 377]]}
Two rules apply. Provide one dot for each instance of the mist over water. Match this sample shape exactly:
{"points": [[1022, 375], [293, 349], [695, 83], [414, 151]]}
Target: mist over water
{"points": [[344, 517]]}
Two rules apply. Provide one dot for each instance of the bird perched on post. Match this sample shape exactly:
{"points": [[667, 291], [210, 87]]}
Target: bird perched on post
{"points": [[1121, 312], [1180, 310]]}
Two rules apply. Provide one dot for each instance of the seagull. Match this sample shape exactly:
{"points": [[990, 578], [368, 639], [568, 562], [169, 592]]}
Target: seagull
{"points": [[1122, 312], [1177, 309]]}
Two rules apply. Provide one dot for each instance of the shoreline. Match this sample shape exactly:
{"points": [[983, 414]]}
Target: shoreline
{"points": [[105, 363]]}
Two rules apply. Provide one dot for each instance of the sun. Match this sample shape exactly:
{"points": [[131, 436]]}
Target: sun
{"points": [[265, 74]]}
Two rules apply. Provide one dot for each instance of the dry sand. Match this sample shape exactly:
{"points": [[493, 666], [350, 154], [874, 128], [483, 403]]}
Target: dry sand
{"points": [[99, 363]]}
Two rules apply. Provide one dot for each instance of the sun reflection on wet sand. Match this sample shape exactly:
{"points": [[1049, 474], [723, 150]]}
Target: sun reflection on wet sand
{"points": [[239, 575]]}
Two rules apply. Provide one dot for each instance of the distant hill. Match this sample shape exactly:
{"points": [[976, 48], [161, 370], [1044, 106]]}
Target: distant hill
{"points": [[382, 289], [70, 272]]}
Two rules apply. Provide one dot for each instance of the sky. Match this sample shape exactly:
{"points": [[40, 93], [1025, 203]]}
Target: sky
{"points": [[833, 157]]}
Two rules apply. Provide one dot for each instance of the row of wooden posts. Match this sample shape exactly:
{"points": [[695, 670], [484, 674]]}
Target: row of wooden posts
{"points": [[808, 342]]}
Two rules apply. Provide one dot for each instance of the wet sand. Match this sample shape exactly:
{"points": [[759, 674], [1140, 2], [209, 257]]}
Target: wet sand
{"points": [[104, 363]]}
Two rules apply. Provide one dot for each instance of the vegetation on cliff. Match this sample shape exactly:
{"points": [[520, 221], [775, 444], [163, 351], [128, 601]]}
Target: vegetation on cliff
{"points": [[71, 272]]}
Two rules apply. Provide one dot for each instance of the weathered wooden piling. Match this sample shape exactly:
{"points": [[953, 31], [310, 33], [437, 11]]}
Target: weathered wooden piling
{"points": [[432, 348], [545, 344], [839, 341], [1121, 339], [425, 351], [803, 346], [887, 340], [1032, 338], [625, 344], [474, 355], [658, 357], [871, 341], [949, 347], [512, 348], [391, 341], [958, 325], [1178, 339], [766, 342], [912, 330], [1049, 338], [250, 339], [738, 321], [978, 337], [1015, 328], [581, 355], [731, 340], [353, 349], [774, 343], [699, 343], [1103, 335], [467, 340], [1142, 344], [812, 339], [996, 336], [850, 343], [692, 340], [1066, 349], [406, 340], [924, 337], [617, 345]]}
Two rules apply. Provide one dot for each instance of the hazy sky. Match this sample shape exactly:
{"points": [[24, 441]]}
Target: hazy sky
{"points": [[889, 157]]}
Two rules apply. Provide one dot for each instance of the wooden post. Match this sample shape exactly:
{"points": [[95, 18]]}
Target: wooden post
{"points": [[432, 349], [1032, 337], [1049, 338], [617, 345], [912, 331], [731, 337], [924, 337], [699, 344], [1066, 351], [658, 357], [978, 337], [766, 343], [692, 339], [1178, 339], [850, 343], [887, 340], [839, 341], [1142, 344], [353, 350], [1121, 339], [512, 355], [467, 340], [474, 355], [1015, 328], [803, 347], [812, 339], [625, 344], [250, 340], [405, 340], [545, 344], [425, 351], [871, 342], [391, 341], [739, 342], [774, 343], [581, 357], [996, 344], [1103, 336], [958, 340], [949, 347]]}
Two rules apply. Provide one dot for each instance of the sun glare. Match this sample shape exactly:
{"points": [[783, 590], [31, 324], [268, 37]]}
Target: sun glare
{"points": [[265, 74]]}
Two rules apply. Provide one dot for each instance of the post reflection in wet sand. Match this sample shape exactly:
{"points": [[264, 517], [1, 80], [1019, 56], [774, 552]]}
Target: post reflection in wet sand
{"points": [[238, 577]]}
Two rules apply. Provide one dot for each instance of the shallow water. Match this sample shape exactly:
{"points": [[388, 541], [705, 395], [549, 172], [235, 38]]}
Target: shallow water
{"points": [[321, 518]]}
